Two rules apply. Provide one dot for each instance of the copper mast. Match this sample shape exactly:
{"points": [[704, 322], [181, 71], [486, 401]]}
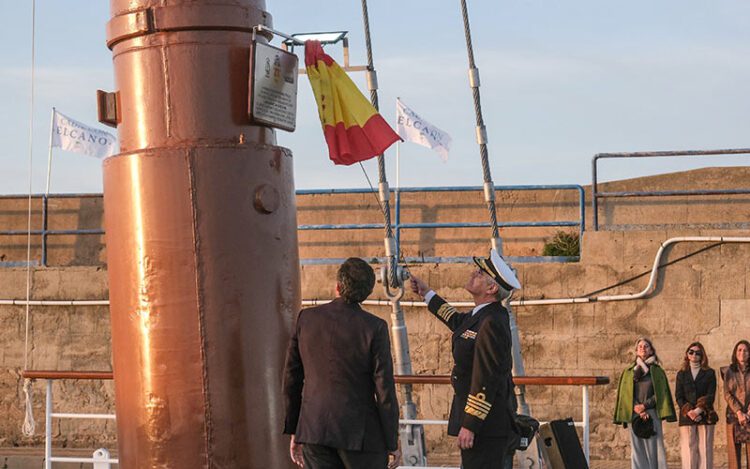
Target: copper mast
{"points": [[201, 241]]}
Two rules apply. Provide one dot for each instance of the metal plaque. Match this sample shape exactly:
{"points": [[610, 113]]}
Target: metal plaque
{"points": [[273, 87]]}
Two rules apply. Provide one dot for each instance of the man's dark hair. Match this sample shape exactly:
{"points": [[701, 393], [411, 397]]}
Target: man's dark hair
{"points": [[355, 280]]}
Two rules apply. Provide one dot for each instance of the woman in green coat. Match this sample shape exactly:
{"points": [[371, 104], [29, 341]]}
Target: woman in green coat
{"points": [[644, 398]]}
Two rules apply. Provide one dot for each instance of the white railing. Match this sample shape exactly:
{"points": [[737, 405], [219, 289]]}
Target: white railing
{"points": [[100, 458], [584, 381]]}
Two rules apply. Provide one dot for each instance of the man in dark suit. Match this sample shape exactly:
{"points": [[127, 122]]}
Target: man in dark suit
{"points": [[481, 415], [340, 396]]}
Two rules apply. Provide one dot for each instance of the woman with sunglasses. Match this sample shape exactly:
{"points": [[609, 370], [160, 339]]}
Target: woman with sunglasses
{"points": [[737, 394], [695, 391], [643, 401]]}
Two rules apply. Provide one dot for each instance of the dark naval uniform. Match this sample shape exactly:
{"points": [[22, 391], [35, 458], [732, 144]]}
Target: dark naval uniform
{"points": [[338, 385], [482, 380]]}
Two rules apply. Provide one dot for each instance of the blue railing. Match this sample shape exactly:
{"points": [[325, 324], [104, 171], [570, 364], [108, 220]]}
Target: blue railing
{"points": [[596, 194], [398, 226], [45, 232]]}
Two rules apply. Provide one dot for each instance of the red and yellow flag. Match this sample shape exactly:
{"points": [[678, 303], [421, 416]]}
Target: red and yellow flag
{"points": [[352, 127]]}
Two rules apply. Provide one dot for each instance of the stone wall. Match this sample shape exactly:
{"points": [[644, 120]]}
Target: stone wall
{"points": [[60, 338], [701, 295]]}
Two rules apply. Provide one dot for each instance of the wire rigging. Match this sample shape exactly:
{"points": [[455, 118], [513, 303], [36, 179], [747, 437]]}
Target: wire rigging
{"points": [[28, 423]]}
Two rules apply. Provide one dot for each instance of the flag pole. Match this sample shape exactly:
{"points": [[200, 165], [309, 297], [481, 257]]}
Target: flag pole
{"points": [[398, 196], [49, 156]]}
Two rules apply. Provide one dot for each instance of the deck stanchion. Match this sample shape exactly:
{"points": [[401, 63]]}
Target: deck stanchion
{"points": [[586, 422], [48, 427]]}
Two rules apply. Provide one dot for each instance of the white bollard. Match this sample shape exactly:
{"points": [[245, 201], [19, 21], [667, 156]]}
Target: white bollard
{"points": [[101, 459]]}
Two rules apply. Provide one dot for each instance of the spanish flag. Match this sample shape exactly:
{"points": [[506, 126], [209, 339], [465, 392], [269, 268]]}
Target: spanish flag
{"points": [[352, 127]]}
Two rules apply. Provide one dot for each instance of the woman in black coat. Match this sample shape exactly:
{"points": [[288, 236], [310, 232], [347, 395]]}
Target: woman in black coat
{"points": [[695, 391]]}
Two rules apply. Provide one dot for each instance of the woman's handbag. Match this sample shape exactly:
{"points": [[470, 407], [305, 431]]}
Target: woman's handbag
{"points": [[741, 433]]}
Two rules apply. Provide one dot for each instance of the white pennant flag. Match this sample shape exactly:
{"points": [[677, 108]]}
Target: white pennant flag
{"points": [[71, 135], [412, 128]]}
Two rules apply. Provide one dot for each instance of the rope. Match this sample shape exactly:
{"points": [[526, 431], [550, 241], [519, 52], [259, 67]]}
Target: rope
{"points": [[480, 120], [372, 188], [28, 423], [386, 206], [29, 426]]}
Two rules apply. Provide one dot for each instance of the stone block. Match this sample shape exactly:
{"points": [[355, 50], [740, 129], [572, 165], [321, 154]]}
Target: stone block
{"points": [[588, 323], [542, 281], [598, 277], [618, 350], [572, 276], [630, 280], [678, 281], [425, 350], [640, 247], [731, 252], [619, 316], [690, 318], [723, 281], [14, 283], [554, 354], [534, 320], [603, 248], [650, 319], [733, 326], [564, 321], [318, 281]]}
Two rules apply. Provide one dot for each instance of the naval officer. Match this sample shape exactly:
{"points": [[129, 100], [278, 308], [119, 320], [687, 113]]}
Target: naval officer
{"points": [[340, 396], [481, 415]]}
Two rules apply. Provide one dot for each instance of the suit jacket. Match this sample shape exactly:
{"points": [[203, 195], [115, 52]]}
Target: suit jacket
{"points": [[736, 391], [691, 393], [338, 381], [482, 374]]}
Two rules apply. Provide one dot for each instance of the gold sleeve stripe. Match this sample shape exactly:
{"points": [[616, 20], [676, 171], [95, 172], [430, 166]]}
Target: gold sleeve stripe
{"points": [[477, 413], [476, 407], [446, 311], [479, 404]]}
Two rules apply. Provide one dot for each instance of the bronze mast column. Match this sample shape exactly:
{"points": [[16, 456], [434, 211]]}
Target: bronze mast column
{"points": [[201, 242]]}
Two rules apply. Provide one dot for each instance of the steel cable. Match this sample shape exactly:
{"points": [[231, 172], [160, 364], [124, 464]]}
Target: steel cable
{"points": [[386, 206], [479, 118]]}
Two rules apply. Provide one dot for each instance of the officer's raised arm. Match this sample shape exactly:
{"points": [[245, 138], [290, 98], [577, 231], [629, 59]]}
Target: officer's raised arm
{"points": [[437, 306]]}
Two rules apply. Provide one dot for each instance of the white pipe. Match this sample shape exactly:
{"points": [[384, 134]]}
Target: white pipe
{"points": [[682, 239], [461, 304], [654, 272], [558, 301]]}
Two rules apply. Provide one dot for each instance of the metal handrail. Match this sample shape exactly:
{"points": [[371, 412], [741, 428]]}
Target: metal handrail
{"points": [[583, 381], [49, 414], [51, 375], [398, 226], [517, 380], [45, 232], [596, 195]]}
